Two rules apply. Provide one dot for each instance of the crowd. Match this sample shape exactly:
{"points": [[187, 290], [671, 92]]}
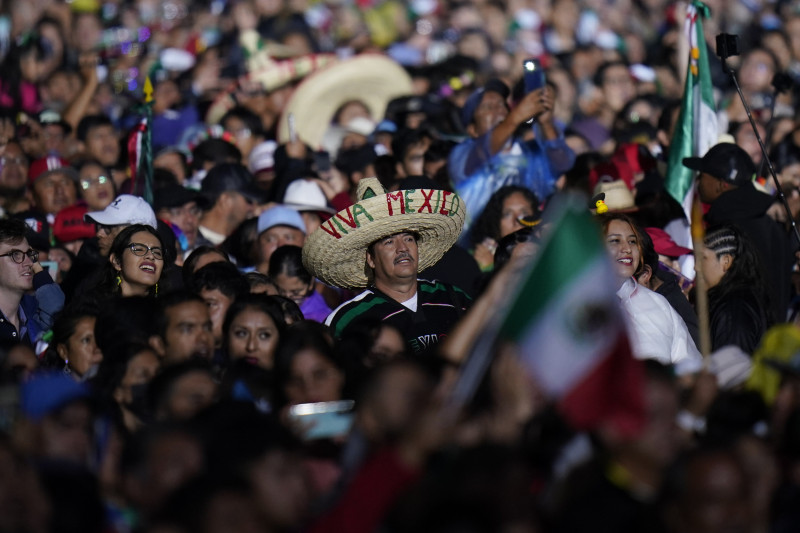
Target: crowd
{"points": [[253, 300]]}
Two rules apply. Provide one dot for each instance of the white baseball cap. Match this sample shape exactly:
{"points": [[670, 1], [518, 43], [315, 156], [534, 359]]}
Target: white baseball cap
{"points": [[306, 195], [125, 209]]}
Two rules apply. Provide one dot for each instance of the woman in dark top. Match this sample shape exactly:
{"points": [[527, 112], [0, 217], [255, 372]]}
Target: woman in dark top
{"points": [[738, 301]]}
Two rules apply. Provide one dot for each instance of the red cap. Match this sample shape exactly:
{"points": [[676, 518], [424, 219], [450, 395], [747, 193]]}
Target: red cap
{"points": [[69, 224], [664, 244], [45, 165]]}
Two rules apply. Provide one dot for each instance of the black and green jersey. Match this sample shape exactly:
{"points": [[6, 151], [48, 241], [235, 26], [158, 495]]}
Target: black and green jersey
{"points": [[439, 306]]}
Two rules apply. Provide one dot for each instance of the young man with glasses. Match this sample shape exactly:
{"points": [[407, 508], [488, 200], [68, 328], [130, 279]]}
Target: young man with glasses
{"points": [[25, 315]]}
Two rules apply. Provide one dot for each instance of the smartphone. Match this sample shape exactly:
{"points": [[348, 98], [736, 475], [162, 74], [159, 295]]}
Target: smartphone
{"points": [[323, 420], [533, 75], [322, 161]]}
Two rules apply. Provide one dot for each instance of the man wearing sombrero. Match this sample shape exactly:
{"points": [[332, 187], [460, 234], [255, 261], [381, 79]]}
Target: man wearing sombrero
{"points": [[381, 243]]}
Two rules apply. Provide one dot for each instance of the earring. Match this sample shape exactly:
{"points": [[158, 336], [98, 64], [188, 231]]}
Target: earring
{"points": [[66, 370], [156, 293], [119, 280]]}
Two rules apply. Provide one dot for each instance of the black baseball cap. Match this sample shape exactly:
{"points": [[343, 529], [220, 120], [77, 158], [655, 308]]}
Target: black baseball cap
{"points": [[726, 162], [174, 195], [230, 177]]}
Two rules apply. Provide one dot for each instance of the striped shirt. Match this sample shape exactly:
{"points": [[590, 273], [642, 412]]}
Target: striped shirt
{"points": [[439, 307]]}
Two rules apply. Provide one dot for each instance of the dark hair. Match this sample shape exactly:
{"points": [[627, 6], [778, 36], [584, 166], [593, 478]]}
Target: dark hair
{"points": [[169, 301], [90, 122], [63, 328], [488, 223], [255, 278], [123, 321], [649, 254], [290, 310], [11, 81], [600, 73], [745, 270], [214, 151], [355, 346], [250, 119], [288, 260], [784, 154], [301, 336], [221, 276], [161, 386], [194, 258], [113, 369], [12, 230], [605, 221], [121, 242], [240, 245], [405, 139], [259, 302]]}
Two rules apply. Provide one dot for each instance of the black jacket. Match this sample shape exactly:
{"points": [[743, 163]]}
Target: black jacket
{"points": [[737, 317], [670, 290], [746, 208]]}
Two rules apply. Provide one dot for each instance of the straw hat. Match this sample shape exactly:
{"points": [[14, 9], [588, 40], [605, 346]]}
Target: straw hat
{"points": [[370, 78], [336, 252]]}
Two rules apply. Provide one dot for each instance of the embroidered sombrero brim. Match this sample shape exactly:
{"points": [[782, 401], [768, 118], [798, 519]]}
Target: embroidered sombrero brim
{"points": [[336, 252]]}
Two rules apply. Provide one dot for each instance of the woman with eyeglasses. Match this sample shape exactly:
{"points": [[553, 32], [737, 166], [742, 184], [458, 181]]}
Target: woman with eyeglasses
{"points": [[135, 263], [294, 282], [96, 186]]}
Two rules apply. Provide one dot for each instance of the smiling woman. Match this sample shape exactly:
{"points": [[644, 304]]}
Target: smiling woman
{"points": [[655, 329], [135, 263]]}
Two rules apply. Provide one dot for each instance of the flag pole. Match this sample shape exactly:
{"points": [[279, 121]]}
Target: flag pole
{"points": [[701, 286], [146, 167]]}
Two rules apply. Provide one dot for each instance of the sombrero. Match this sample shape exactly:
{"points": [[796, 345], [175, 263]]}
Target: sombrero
{"points": [[336, 252], [373, 79]]}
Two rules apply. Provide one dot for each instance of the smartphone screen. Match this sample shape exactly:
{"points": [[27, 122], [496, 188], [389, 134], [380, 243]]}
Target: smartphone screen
{"points": [[534, 75], [323, 420]]}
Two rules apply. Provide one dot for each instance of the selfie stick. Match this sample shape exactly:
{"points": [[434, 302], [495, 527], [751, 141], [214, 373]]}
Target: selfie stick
{"points": [[727, 46], [781, 82]]}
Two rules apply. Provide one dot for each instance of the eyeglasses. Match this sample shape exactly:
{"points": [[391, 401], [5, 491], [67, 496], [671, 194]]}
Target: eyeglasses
{"points": [[141, 250], [6, 160], [86, 183], [18, 256]]}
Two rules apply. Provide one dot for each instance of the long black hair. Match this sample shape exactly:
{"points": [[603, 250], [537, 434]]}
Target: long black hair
{"points": [[745, 272], [488, 223], [108, 284]]}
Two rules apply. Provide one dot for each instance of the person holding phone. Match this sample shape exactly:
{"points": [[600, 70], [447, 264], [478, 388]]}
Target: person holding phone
{"points": [[502, 150]]}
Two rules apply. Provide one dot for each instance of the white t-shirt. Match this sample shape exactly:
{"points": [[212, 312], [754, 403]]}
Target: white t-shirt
{"points": [[656, 330]]}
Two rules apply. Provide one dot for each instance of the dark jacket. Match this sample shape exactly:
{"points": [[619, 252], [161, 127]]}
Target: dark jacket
{"points": [[746, 208], [736, 317], [670, 290]]}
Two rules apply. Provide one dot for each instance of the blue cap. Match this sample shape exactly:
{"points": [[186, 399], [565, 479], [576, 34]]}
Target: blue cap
{"points": [[280, 216], [474, 100], [386, 126], [47, 392]]}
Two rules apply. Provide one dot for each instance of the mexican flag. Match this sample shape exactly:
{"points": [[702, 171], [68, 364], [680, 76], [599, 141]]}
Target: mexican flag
{"points": [[567, 321], [696, 130]]}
